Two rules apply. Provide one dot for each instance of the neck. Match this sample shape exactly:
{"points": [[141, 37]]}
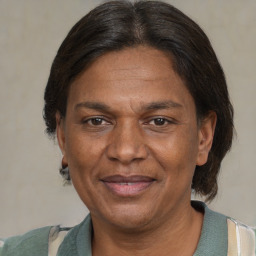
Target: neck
{"points": [[177, 235]]}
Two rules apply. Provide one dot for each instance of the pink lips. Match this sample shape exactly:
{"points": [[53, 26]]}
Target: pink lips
{"points": [[127, 186]]}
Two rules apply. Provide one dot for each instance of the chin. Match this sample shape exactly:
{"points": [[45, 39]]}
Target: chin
{"points": [[129, 219]]}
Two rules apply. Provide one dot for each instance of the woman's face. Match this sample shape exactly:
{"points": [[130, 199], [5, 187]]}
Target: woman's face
{"points": [[131, 140]]}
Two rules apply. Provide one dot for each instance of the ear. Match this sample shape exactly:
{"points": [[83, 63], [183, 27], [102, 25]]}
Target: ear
{"points": [[205, 137], [60, 130]]}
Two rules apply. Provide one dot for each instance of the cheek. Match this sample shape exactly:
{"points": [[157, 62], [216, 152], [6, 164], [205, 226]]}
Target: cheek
{"points": [[177, 154], [181, 147], [82, 154], [83, 160]]}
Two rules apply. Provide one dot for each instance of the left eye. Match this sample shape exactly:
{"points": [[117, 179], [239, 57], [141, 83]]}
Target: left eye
{"points": [[159, 121]]}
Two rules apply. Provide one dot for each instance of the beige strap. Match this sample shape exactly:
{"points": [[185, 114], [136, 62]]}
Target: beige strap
{"points": [[56, 237], [241, 239], [1, 243]]}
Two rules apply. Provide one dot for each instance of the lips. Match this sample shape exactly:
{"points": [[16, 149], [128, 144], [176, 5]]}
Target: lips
{"points": [[127, 186]]}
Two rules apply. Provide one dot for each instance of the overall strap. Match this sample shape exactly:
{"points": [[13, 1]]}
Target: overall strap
{"points": [[241, 239], [56, 237]]}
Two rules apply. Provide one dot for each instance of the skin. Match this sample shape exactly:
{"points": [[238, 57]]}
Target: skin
{"points": [[129, 114]]}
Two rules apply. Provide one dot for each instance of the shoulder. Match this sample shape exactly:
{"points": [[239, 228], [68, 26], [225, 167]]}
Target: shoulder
{"points": [[32, 242], [225, 234], [49, 240], [35, 242]]}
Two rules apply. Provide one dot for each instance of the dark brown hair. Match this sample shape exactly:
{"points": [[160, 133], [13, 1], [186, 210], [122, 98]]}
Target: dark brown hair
{"points": [[115, 25]]}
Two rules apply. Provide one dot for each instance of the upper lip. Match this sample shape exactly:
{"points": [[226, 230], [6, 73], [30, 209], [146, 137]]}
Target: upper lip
{"points": [[123, 179]]}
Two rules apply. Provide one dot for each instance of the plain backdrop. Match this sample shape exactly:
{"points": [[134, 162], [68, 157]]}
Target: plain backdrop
{"points": [[31, 190]]}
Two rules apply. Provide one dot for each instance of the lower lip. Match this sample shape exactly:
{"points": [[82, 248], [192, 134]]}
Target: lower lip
{"points": [[128, 189]]}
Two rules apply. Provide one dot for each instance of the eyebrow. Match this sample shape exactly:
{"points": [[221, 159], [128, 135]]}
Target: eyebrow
{"points": [[162, 105], [93, 105], [147, 107]]}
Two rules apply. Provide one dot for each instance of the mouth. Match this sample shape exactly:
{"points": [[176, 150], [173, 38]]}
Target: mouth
{"points": [[127, 186]]}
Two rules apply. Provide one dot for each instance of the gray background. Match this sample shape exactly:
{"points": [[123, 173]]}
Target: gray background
{"points": [[31, 31]]}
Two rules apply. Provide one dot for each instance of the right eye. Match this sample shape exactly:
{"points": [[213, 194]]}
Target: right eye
{"points": [[96, 121]]}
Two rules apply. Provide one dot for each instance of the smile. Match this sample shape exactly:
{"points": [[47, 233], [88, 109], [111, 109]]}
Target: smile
{"points": [[127, 183], [127, 186]]}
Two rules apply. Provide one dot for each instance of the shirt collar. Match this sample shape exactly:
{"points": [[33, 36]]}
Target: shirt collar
{"points": [[213, 240], [214, 236]]}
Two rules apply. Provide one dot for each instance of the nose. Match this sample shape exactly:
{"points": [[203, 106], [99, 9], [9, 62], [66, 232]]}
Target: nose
{"points": [[126, 144]]}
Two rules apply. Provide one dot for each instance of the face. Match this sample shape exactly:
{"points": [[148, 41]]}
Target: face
{"points": [[131, 139]]}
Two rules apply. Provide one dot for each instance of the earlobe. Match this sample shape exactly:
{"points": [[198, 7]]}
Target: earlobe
{"points": [[60, 133], [205, 137]]}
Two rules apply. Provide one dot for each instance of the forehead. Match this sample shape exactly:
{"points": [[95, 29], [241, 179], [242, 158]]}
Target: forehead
{"points": [[140, 62], [138, 75]]}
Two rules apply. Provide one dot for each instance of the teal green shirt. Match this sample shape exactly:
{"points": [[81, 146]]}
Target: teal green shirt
{"points": [[77, 242]]}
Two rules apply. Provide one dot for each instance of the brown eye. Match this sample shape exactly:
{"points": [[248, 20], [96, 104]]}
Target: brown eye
{"points": [[96, 121], [160, 121]]}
